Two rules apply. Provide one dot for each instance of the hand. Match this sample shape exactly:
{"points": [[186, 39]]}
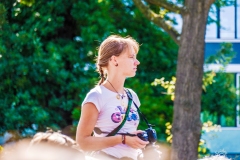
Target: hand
{"points": [[135, 142]]}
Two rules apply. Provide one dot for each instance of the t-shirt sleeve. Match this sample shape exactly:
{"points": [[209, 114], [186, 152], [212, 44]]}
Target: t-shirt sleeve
{"points": [[92, 97]]}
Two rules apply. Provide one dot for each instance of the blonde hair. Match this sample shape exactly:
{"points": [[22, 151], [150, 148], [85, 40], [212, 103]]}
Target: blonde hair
{"points": [[53, 137], [44, 145], [113, 45]]}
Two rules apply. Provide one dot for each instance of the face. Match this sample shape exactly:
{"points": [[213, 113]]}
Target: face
{"points": [[127, 63]]}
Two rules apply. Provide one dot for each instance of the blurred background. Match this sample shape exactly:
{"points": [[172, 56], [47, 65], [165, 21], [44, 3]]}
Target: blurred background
{"points": [[47, 51]]}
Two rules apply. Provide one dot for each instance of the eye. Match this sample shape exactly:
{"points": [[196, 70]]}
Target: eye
{"points": [[131, 56]]}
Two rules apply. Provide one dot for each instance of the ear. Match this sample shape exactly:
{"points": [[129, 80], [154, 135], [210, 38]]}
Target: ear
{"points": [[113, 59]]}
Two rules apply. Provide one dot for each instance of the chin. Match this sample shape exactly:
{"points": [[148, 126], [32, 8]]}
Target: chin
{"points": [[132, 75]]}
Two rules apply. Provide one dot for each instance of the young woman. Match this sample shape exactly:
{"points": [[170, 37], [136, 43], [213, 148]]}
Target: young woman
{"points": [[105, 105]]}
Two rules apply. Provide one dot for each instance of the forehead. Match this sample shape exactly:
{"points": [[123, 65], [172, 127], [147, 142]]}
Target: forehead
{"points": [[131, 51], [128, 53]]}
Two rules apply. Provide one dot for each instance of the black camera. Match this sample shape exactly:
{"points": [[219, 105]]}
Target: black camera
{"points": [[151, 151], [148, 135]]}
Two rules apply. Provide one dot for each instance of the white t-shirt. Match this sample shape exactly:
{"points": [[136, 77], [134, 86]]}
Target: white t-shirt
{"points": [[111, 113]]}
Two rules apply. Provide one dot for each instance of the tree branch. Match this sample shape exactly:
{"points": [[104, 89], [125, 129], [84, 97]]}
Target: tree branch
{"points": [[209, 3], [158, 20], [169, 6]]}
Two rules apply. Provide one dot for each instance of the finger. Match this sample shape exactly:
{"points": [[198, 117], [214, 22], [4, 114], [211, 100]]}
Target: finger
{"points": [[136, 132], [140, 146], [139, 131], [142, 142]]}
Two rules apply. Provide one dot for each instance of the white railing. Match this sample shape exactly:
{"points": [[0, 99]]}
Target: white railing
{"points": [[221, 40], [230, 68]]}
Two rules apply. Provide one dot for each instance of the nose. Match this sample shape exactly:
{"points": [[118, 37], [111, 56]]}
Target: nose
{"points": [[137, 62]]}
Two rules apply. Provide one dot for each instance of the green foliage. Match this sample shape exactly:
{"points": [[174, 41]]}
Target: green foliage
{"points": [[219, 99], [41, 70], [46, 65], [223, 57], [223, 3], [29, 3]]}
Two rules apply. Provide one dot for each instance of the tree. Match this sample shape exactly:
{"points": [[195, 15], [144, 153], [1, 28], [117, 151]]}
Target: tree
{"points": [[46, 60], [186, 127], [40, 66]]}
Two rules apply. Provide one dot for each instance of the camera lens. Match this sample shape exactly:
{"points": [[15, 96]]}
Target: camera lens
{"points": [[152, 135], [143, 136]]}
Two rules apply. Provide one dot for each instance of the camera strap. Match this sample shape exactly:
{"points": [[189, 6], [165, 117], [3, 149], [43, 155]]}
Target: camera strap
{"points": [[138, 110], [114, 132]]}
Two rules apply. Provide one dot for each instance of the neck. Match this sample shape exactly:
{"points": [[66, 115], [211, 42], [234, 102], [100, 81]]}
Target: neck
{"points": [[115, 85]]}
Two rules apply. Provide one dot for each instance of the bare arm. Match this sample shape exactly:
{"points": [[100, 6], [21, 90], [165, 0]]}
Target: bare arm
{"points": [[85, 128]]}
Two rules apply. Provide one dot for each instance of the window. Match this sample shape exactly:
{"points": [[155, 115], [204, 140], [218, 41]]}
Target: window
{"points": [[229, 18], [229, 22], [211, 29]]}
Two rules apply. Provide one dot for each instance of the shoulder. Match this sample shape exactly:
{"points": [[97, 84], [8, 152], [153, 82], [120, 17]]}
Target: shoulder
{"points": [[96, 91], [94, 96], [132, 91], [135, 96]]}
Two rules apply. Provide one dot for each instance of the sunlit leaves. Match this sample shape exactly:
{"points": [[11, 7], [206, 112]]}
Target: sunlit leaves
{"points": [[209, 126], [168, 85], [202, 150], [168, 132], [162, 13], [222, 3], [208, 79], [29, 3]]}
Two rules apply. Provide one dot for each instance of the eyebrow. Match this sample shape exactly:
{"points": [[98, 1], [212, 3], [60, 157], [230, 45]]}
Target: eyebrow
{"points": [[133, 54]]}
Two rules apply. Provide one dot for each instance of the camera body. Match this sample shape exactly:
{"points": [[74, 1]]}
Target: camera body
{"points": [[148, 135]]}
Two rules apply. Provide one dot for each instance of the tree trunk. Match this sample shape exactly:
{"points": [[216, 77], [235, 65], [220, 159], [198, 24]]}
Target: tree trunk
{"points": [[186, 127]]}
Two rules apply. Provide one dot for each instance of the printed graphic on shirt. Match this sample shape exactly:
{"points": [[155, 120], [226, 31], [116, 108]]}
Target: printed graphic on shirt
{"points": [[118, 116]]}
